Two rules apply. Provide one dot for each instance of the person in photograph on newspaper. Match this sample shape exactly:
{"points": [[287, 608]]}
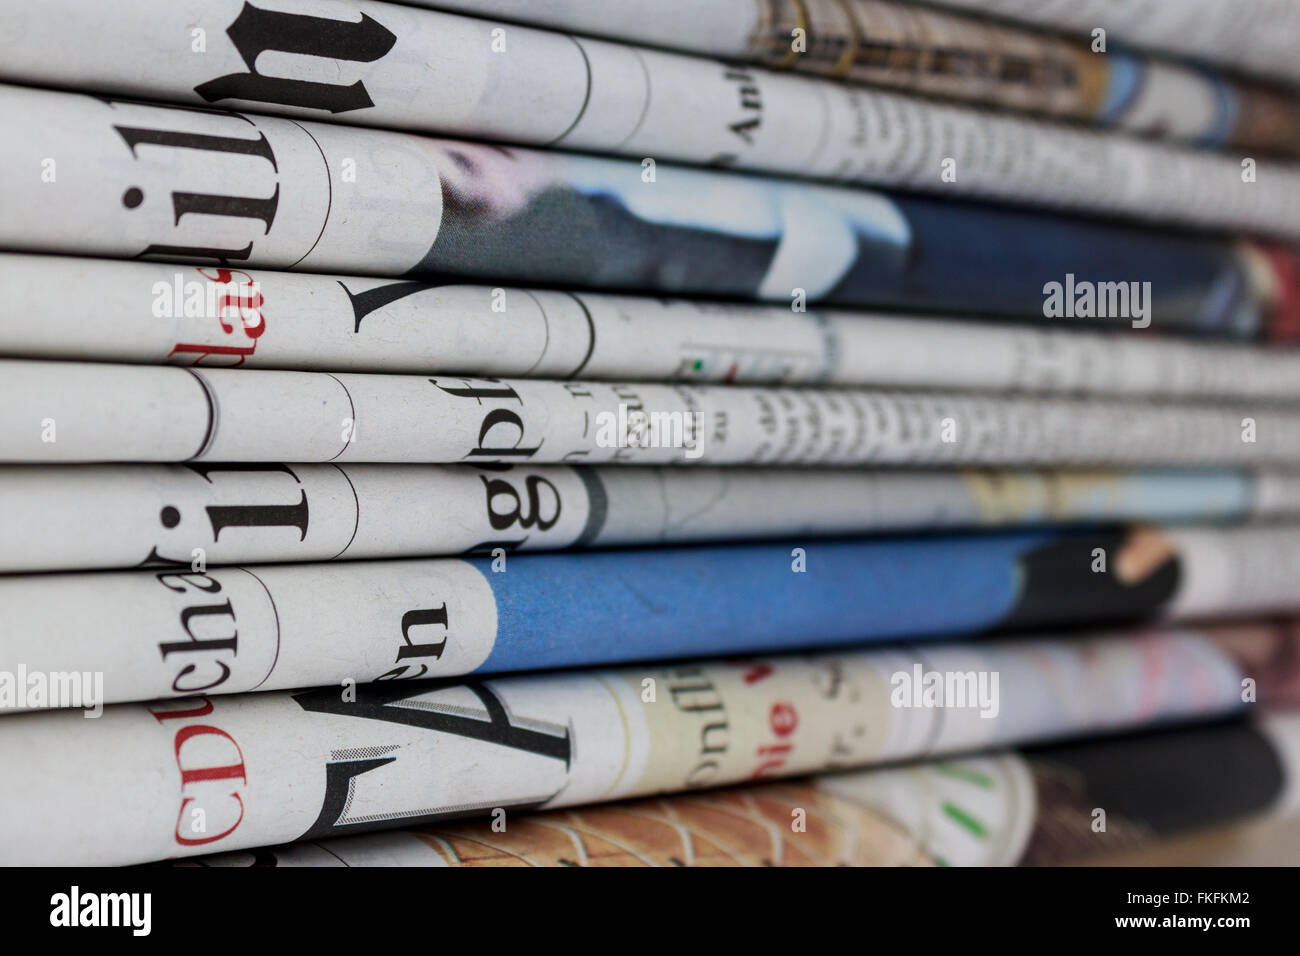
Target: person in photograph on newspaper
{"points": [[607, 225]]}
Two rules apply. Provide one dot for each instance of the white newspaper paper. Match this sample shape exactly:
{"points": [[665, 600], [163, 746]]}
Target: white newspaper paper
{"points": [[121, 516], [215, 318], [1242, 35], [149, 781], [400, 68], [1001, 809], [942, 53], [1255, 36], [132, 180], [86, 412], [80, 640]]}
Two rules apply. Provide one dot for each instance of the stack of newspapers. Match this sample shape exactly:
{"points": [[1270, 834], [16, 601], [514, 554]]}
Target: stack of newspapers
{"points": [[749, 395]]}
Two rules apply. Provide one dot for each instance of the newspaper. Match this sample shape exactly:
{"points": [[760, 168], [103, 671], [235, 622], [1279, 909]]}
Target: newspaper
{"points": [[1034, 808], [397, 67], [921, 49], [1255, 36], [122, 516], [85, 639], [204, 317], [86, 412], [174, 778], [130, 180]]}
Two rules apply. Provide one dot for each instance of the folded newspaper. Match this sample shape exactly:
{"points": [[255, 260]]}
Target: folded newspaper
{"points": [[218, 317], [86, 412], [396, 67], [939, 53], [130, 180], [1254, 36], [148, 781], [123, 516], [1053, 804], [83, 639]]}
